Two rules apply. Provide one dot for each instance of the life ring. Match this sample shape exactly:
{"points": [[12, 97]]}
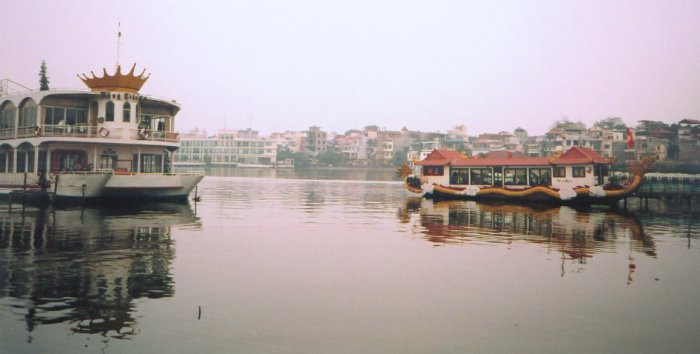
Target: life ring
{"points": [[589, 169], [37, 131], [103, 132]]}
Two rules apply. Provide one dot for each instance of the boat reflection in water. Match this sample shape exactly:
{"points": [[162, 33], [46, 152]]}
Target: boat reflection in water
{"points": [[578, 234], [83, 267]]}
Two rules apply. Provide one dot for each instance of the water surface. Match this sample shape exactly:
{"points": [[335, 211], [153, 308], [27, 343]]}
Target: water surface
{"points": [[326, 261]]}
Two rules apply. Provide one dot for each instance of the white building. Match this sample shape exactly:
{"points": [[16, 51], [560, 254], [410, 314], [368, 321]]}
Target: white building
{"points": [[228, 147], [194, 146]]}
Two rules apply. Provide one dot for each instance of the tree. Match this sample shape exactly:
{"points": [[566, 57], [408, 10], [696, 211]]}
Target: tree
{"points": [[400, 156], [43, 79], [284, 153], [331, 158], [521, 134], [611, 123], [301, 160], [565, 123]]}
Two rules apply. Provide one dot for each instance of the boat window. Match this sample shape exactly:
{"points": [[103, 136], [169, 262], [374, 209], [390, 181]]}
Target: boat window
{"points": [[515, 176], [68, 160], [579, 171], [81, 116], [433, 170], [540, 176], [151, 163], [3, 161], [459, 176], [70, 117], [7, 118], [481, 176], [27, 117], [158, 123], [54, 115], [559, 172], [127, 112], [108, 162], [144, 121], [109, 114], [601, 170], [63, 116], [25, 161]]}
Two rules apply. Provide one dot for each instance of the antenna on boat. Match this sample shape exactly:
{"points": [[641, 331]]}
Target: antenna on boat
{"points": [[119, 40]]}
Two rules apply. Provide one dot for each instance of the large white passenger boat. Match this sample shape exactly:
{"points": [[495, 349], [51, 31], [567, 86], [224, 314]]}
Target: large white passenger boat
{"points": [[106, 142]]}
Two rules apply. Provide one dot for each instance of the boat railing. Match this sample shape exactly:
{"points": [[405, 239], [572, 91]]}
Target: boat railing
{"points": [[73, 131], [102, 171], [87, 131], [151, 135], [6, 133], [109, 171], [192, 172]]}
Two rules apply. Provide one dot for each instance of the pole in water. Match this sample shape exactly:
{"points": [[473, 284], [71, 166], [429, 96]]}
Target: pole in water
{"points": [[196, 197]]}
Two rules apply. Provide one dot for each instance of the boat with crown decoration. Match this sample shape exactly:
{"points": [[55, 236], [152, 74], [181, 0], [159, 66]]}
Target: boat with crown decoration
{"points": [[578, 176], [109, 141]]}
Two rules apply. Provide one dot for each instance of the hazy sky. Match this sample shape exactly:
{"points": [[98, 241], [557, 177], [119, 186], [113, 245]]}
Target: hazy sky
{"points": [[428, 65]]}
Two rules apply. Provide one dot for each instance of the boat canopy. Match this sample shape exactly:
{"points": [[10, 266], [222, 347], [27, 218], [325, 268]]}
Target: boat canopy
{"points": [[573, 156]]}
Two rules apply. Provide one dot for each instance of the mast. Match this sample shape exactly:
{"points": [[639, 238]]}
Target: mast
{"points": [[119, 40]]}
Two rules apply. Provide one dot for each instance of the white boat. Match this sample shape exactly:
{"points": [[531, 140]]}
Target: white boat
{"points": [[105, 142]]}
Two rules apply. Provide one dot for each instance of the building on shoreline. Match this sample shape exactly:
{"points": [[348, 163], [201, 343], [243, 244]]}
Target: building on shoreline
{"points": [[375, 146], [226, 148]]}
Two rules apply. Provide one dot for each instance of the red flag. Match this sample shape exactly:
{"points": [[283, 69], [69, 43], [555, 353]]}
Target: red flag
{"points": [[630, 139]]}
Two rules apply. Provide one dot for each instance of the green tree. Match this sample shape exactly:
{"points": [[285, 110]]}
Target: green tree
{"points": [[43, 78], [331, 158], [284, 153], [400, 156], [301, 160], [565, 123], [611, 123]]}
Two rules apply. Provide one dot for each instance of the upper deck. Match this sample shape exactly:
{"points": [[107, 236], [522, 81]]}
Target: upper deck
{"points": [[82, 114]]}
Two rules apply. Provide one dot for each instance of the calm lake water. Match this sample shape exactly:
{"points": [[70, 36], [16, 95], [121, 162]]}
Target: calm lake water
{"points": [[345, 261]]}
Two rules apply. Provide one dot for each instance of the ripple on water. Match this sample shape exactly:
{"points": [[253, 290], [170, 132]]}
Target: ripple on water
{"points": [[317, 266]]}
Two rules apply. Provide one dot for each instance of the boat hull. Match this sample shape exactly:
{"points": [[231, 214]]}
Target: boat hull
{"points": [[95, 186], [152, 187], [83, 186], [539, 194], [536, 197]]}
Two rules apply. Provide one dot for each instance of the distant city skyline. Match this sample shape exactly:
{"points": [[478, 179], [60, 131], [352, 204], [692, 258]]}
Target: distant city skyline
{"points": [[277, 66]]}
